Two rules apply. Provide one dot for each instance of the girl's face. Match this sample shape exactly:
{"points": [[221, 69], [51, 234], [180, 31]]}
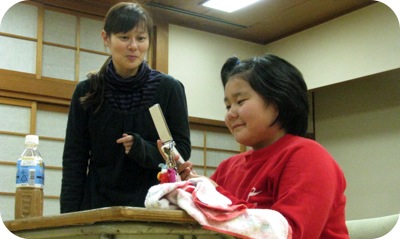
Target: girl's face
{"points": [[128, 50], [248, 117]]}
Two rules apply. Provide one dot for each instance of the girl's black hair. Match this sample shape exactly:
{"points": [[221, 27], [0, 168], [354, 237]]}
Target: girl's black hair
{"points": [[278, 82]]}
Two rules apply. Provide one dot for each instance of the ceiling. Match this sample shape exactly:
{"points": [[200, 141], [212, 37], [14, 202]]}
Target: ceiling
{"points": [[263, 22]]}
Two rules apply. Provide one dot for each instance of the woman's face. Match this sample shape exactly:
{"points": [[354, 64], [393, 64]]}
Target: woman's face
{"points": [[128, 50], [248, 117]]}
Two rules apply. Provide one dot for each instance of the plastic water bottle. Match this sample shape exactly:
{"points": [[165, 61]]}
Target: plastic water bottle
{"points": [[30, 181]]}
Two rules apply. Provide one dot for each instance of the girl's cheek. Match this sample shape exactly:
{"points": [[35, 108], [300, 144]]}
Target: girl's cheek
{"points": [[227, 122]]}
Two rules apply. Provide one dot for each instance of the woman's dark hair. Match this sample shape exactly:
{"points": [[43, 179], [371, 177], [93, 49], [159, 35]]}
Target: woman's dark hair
{"points": [[122, 17], [278, 82]]}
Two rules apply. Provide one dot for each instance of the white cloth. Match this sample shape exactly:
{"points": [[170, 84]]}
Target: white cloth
{"points": [[199, 198]]}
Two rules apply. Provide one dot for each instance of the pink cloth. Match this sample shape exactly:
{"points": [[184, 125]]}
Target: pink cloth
{"points": [[199, 198]]}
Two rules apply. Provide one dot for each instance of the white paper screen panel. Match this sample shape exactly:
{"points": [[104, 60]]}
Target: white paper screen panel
{"points": [[199, 169], [197, 137], [59, 28], [7, 207], [58, 63], [209, 171], [214, 158], [197, 156], [22, 15], [8, 177], [11, 147], [221, 141], [15, 118], [52, 124], [51, 207], [51, 152], [18, 55], [52, 182], [90, 34], [90, 62]]}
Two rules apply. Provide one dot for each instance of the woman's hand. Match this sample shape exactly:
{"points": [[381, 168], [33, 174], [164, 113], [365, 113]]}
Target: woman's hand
{"points": [[127, 140]]}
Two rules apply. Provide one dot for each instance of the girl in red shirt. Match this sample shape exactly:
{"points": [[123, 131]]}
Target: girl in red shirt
{"points": [[267, 110]]}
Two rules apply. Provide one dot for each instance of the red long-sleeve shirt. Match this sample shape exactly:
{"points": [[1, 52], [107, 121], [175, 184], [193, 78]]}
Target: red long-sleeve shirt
{"points": [[294, 176]]}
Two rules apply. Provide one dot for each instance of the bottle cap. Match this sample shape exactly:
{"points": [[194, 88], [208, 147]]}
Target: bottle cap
{"points": [[32, 139]]}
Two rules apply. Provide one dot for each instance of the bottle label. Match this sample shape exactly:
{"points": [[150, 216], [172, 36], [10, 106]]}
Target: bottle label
{"points": [[30, 172]]}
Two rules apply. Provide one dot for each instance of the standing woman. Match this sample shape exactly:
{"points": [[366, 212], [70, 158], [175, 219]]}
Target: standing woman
{"points": [[110, 154]]}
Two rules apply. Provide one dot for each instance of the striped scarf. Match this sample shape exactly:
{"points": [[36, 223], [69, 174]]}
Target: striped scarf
{"points": [[132, 93]]}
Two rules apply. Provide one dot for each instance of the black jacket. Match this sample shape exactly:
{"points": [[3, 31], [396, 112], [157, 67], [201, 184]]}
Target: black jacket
{"points": [[96, 171]]}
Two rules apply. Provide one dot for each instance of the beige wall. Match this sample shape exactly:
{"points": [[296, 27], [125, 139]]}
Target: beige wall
{"points": [[196, 58], [358, 123], [358, 44]]}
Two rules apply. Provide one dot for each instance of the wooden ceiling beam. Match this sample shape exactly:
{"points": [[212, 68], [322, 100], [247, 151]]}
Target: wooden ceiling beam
{"points": [[78, 5]]}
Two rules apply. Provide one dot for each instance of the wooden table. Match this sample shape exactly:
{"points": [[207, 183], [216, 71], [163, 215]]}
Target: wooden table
{"points": [[113, 223]]}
